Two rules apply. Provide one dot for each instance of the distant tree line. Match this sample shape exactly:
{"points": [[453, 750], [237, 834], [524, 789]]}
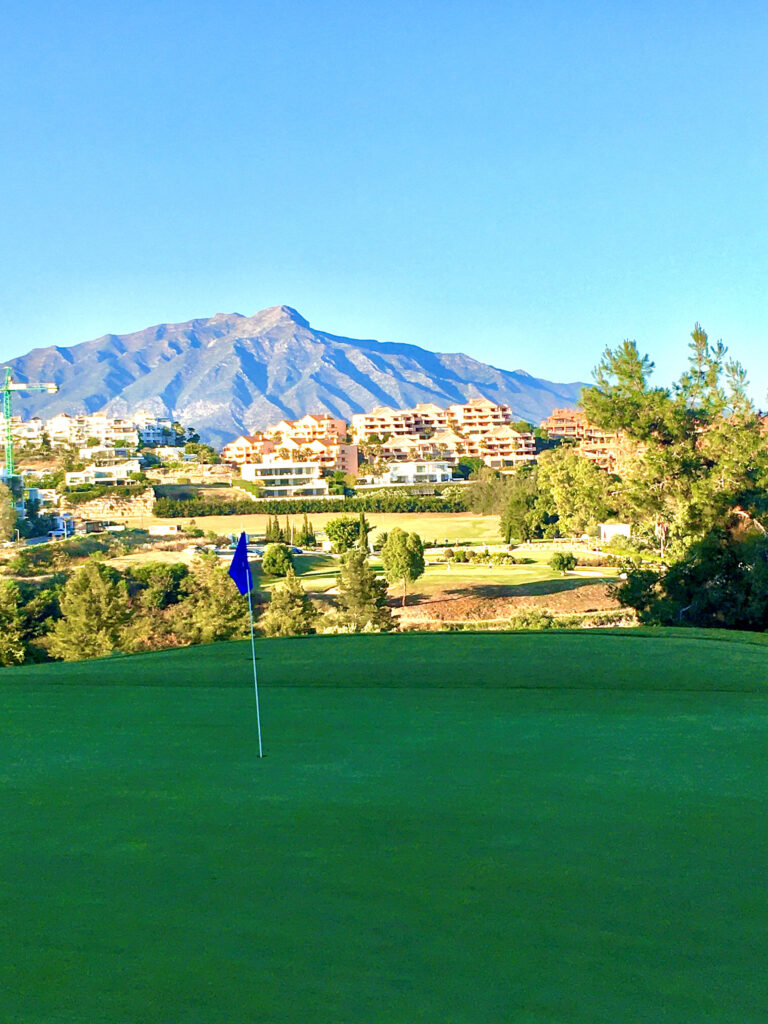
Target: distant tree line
{"points": [[379, 501]]}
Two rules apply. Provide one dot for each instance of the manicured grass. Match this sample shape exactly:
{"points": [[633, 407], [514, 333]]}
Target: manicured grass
{"points": [[513, 579], [458, 828], [318, 574], [431, 526]]}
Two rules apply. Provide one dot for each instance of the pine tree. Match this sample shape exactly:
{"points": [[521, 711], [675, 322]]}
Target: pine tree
{"points": [[290, 612], [211, 608], [94, 610], [699, 453], [362, 596], [12, 646]]}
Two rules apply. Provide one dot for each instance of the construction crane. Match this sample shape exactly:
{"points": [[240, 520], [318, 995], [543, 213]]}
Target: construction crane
{"points": [[7, 388]]}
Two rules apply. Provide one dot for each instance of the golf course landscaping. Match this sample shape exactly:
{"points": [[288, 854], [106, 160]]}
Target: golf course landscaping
{"points": [[516, 828]]}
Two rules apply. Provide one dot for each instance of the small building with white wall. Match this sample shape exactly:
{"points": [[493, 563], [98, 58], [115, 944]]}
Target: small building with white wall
{"points": [[610, 530]]}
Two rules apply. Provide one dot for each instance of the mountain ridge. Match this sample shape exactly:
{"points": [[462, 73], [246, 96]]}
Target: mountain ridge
{"points": [[231, 373]]}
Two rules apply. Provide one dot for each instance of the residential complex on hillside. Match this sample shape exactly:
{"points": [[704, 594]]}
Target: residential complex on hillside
{"points": [[478, 429], [475, 416], [139, 428], [599, 446], [292, 458]]}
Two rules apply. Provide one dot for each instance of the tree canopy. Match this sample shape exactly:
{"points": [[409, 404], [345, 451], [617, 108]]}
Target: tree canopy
{"points": [[277, 560], [402, 558], [696, 450]]}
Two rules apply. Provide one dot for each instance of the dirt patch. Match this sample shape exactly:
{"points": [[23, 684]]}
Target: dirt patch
{"points": [[592, 597]]}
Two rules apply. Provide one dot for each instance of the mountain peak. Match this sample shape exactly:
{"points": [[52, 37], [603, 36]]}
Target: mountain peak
{"points": [[274, 315], [231, 374]]}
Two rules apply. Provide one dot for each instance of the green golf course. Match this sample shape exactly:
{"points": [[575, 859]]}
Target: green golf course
{"points": [[519, 828]]}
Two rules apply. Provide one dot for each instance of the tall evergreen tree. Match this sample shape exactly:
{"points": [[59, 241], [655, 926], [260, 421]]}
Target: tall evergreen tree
{"points": [[210, 607], [362, 596], [363, 529], [518, 519], [698, 452], [290, 612], [94, 610], [12, 646], [306, 537]]}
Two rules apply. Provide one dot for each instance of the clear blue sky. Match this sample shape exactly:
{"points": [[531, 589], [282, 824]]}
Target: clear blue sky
{"points": [[524, 182]]}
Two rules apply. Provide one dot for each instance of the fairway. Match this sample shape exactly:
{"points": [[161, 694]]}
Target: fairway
{"points": [[455, 829], [431, 526]]}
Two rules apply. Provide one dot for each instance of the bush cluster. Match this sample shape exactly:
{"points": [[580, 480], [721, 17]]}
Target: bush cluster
{"points": [[484, 556]]}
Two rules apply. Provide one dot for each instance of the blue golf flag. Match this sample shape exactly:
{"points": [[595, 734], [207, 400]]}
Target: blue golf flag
{"points": [[239, 570]]}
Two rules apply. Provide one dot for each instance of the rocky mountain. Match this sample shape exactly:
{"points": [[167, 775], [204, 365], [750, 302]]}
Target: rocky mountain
{"points": [[234, 374]]}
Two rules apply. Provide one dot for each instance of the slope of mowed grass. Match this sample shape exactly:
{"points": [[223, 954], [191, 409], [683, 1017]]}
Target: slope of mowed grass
{"points": [[461, 828], [453, 526], [635, 659]]}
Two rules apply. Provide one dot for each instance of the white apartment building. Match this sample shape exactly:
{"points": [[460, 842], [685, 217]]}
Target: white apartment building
{"points": [[417, 473], [66, 429], [103, 455], [63, 429], [286, 478], [24, 430], [153, 430], [109, 475]]}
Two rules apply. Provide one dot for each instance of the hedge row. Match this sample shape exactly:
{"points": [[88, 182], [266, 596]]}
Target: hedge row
{"points": [[80, 495], [168, 508]]}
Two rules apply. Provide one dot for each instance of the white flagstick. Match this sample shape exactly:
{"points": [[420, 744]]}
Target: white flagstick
{"points": [[255, 679]]}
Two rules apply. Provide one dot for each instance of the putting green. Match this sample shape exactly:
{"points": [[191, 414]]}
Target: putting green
{"points": [[459, 828]]}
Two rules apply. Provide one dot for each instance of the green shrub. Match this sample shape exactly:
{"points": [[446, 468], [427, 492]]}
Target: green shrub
{"points": [[563, 561], [277, 560], [531, 617]]}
